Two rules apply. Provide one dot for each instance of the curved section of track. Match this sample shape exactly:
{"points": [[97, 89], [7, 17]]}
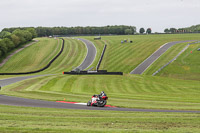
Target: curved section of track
{"points": [[91, 54], [151, 59], [15, 101]]}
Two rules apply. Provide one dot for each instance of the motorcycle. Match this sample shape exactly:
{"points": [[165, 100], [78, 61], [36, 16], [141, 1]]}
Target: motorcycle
{"points": [[99, 101]]}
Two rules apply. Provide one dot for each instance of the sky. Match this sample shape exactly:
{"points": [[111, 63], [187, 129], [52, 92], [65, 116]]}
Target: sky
{"points": [[155, 14]]}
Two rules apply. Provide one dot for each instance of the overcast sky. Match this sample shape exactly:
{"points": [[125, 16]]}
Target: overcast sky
{"points": [[155, 14]]}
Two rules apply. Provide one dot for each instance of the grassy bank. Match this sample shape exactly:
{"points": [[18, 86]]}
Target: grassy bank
{"points": [[186, 66], [165, 58], [127, 56], [38, 55], [34, 57]]}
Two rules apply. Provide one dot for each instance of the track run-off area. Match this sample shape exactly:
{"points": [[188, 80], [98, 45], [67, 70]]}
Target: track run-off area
{"points": [[89, 59]]}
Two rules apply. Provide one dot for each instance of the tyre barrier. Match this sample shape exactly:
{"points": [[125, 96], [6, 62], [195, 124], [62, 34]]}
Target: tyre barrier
{"points": [[42, 69], [99, 72]]}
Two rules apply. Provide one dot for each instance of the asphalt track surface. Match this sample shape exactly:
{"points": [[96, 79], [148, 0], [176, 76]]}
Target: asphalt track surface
{"points": [[16, 101], [4, 82], [91, 54], [151, 59]]}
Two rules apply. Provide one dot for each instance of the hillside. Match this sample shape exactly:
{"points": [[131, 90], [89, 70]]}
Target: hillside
{"points": [[38, 55], [187, 66], [130, 91], [125, 57], [137, 89], [33, 57]]}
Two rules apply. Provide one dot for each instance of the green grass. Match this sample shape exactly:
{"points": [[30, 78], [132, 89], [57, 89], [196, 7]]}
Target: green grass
{"points": [[10, 52], [38, 55], [125, 57], [132, 91], [34, 57], [73, 55], [165, 58], [186, 66], [26, 119]]}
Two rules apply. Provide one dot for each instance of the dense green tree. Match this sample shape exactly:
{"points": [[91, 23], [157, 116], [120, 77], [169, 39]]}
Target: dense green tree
{"points": [[173, 30], [20, 34], [167, 30], [9, 44], [142, 30], [15, 39], [27, 35], [3, 47], [149, 31], [5, 34], [32, 31], [194, 28], [89, 30], [128, 31]]}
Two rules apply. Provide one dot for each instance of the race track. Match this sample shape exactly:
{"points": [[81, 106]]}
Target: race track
{"points": [[151, 59], [16, 101], [91, 54]]}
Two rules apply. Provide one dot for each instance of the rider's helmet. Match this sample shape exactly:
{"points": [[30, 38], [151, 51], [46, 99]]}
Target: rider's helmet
{"points": [[102, 93]]}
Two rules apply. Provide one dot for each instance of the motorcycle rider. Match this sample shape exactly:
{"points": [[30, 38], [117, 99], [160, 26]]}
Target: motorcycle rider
{"points": [[98, 100], [101, 95]]}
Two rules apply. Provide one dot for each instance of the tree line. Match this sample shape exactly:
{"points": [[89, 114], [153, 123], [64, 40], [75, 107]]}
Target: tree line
{"points": [[142, 31], [13, 39], [192, 29], [64, 31]]}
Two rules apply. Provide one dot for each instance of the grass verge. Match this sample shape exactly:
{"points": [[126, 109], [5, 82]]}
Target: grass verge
{"points": [[26, 119]]}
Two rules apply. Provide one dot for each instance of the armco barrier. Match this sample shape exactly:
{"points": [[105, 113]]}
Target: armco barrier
{"points": [[101, 58], [42, 69]]}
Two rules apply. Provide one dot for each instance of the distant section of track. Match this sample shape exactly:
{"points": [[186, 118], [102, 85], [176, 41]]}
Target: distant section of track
{"points": [[151, 59], [91, 54]]}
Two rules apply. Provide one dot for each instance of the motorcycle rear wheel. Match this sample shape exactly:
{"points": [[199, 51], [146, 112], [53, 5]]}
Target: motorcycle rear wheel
{"points": [[89, 103], [102, 104]]}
